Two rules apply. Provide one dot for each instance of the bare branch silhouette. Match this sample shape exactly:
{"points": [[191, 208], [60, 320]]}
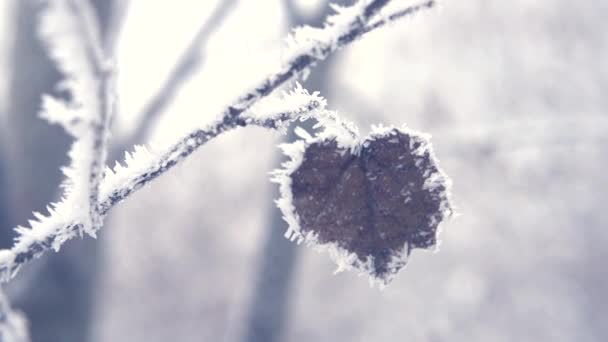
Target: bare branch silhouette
{"points": [[188, 64]]}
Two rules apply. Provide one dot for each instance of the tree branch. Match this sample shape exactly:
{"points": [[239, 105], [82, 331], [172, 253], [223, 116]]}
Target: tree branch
{"points": [[104, 73], [71, 32], [142, 166]]}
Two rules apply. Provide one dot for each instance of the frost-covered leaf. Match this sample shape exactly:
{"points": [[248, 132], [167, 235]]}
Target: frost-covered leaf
{"points": [[370, 203]]}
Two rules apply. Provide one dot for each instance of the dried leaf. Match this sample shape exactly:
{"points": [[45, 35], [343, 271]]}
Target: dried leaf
{"points": [[370, 204]]}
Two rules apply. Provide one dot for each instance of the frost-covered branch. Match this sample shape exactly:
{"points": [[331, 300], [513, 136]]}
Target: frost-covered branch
{"points": [[307, 46], [142, 166], [13, 325], [71, 32], [145, 164]]}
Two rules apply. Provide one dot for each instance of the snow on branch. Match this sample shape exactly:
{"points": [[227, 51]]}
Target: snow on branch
{"points": [[71, 33], [306, 47], [274, 113], [13, 325]]}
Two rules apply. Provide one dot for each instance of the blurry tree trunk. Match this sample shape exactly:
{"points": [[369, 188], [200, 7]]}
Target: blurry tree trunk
{"points": [[55, 292], [269, 308]]}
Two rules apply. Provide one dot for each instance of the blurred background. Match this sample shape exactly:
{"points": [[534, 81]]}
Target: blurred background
{"points": [[512, 92]]}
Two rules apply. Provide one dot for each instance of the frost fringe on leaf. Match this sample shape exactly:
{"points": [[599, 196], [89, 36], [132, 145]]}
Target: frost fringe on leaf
{"points": [[435, 181], [13, 325], [66, 219]]}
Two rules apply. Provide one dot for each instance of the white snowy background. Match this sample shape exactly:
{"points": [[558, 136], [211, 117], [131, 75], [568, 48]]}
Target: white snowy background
{"points": [[513, 94]]}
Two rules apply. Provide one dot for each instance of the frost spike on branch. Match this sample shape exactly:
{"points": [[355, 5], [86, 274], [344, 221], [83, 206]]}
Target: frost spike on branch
{"points": [[143, 165], [72, 36]]}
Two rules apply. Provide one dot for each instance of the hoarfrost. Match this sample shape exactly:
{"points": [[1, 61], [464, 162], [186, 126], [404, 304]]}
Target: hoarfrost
{"points": [[70, 31], [278, 111]]}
